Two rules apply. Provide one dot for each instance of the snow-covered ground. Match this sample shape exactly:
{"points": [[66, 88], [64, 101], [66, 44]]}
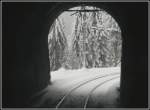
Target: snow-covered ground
{"points": [[63, 81]]}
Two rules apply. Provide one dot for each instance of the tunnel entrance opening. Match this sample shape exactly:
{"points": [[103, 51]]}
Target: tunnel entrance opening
{"points": [[85, 47]]}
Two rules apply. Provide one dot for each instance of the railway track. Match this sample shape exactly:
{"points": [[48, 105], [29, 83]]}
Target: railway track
{"points": [[104, 82], [84, 83]]}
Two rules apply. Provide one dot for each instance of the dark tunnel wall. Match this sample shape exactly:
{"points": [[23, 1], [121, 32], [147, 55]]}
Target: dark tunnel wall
{"points": [[25, 52], [25, 49]]}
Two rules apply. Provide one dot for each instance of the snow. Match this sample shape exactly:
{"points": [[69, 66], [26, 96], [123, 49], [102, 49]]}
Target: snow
{"points": [[64, 81], [63, 73], [72, 49]]}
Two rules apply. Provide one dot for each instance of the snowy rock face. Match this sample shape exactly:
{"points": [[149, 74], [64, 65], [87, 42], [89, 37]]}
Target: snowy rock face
{"points": [[95, 40]]}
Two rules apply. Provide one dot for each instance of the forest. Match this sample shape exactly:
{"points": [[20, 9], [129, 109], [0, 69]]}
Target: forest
{"points": [[95, 41]]}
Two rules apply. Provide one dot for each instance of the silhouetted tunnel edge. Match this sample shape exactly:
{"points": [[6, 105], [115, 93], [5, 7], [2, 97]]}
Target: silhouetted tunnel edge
{"points": [[27, 71]]}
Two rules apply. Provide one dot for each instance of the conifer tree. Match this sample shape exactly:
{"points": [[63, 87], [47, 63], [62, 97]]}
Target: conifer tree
{"points": [[57, 44]]}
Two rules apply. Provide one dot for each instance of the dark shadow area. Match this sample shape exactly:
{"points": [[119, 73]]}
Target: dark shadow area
{"points": [[25, 50]]}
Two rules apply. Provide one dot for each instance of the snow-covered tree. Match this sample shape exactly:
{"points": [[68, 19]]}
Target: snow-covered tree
{"points": [[57, 45], [95, 41]]}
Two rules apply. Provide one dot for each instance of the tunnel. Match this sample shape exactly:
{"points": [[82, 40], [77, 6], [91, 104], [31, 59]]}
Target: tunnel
{"points": [[85, 46], [26, 64]]}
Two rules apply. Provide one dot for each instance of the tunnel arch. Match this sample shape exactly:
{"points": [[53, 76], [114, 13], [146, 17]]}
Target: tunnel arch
{"points": [[36, 20], [128, 48], [60, 8], [60, 13]]}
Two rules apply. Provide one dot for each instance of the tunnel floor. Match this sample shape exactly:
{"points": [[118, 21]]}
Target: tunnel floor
{"points": [[83, 88]]}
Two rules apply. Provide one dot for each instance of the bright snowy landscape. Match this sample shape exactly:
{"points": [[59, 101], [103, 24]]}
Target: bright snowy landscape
{"points": [[64, 81]]}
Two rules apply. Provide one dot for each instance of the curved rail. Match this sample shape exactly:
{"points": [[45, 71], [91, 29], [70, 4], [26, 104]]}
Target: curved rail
{"points": [[87, 99], [81, 84]]}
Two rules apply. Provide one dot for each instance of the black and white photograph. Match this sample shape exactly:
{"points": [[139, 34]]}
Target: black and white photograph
{"points": [[75, 55]]}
